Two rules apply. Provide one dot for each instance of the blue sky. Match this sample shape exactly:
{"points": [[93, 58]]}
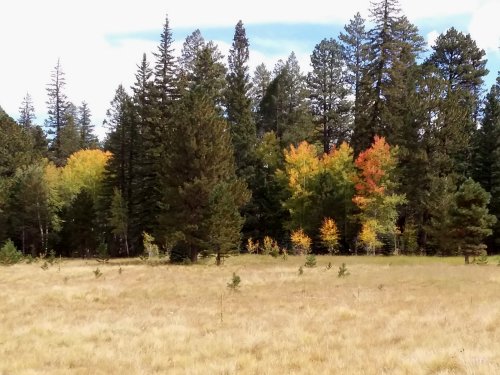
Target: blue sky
{"points": [[100, 42]]}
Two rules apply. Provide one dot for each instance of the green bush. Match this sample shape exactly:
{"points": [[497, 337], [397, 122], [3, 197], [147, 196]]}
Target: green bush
{"points": [[235, 282], [343, 272], [310, 261], [9, 254]]}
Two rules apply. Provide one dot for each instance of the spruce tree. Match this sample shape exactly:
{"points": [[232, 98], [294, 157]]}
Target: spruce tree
{"points": [[57, 104], [470, 220], [200, 163], [84, 122], [27, 112], [355, 53], [165, 67], [393, 47], [120, 172], [239, 105], [328, 93]]}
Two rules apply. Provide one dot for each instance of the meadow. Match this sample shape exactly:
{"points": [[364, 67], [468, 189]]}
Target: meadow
{"points": [[392, 315]]}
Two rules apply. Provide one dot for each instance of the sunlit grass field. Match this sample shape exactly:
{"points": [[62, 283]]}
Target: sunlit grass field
{"points": [[391, 315]]}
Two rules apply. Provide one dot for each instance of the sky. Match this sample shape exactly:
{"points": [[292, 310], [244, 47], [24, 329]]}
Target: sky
{"points": [[99, 43]]}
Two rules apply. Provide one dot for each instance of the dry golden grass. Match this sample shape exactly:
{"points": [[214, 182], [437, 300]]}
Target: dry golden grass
{"points": [[391, 315]]}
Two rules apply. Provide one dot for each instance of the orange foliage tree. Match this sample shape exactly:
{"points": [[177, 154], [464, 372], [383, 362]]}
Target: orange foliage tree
{"points": [[376, 195]]}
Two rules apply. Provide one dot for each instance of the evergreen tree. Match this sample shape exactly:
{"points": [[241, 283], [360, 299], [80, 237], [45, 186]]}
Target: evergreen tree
{"points": [[84, 122], [284, 108], [190, 50], [69, 140], [328, 93], [165, 67], [143, 206], [200, 163], [260, 81], [57, 104], [27, 113], [470, 221], [461, 64], [355, 53], [239, 105], [120, 170], [393, 46]]}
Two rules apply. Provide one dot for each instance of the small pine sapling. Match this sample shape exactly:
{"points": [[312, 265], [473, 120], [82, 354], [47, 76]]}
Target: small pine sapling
{"points": [[235, 282], [97, 273], [9, 254], [343, 272], [310, 261]]}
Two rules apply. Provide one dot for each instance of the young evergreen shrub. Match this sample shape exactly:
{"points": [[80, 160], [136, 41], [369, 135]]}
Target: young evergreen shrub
{"points": [[310, 261], [97, 273], [102, 253], [235, 282], [9, 254], [343, 272]]}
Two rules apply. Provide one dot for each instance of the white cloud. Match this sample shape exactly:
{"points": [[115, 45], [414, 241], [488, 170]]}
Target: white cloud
{"points": [[484, 26], [431, 38]]}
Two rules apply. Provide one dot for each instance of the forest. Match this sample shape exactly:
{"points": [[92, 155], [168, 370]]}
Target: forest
{"points": [[383, 147]]}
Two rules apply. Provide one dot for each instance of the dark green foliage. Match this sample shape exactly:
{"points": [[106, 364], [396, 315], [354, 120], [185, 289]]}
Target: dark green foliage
{"points": [[239, 106], [79, 231], [84, 123], [470, 221], [328, 94], [199, 183], [9, 254], [283, 108], [57, 105], [27, 112]]}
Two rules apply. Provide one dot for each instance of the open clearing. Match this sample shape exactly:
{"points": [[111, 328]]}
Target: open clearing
{"points": [[394, 315]]}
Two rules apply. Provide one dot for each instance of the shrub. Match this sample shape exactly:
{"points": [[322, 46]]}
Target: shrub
{"points": [[482, 259], [252, 247], [150, 248], [330, 235], [343, 272], [270, 247], [235, 282], [310, 261], [9, 254], [102, 253], [301, 242], [97, 273]]}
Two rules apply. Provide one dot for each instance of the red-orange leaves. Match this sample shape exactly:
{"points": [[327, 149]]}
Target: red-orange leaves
{"points": [[374, 166]]}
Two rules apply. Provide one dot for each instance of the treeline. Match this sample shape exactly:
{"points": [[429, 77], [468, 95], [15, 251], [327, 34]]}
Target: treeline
{"points": [[382, 147]]}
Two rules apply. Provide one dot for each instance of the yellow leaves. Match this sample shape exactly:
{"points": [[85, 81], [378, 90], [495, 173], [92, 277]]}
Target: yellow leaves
{"points": [[84, 170], [301, 242], [329, 234], [339, 162], [368, 235], [302, 163]]}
